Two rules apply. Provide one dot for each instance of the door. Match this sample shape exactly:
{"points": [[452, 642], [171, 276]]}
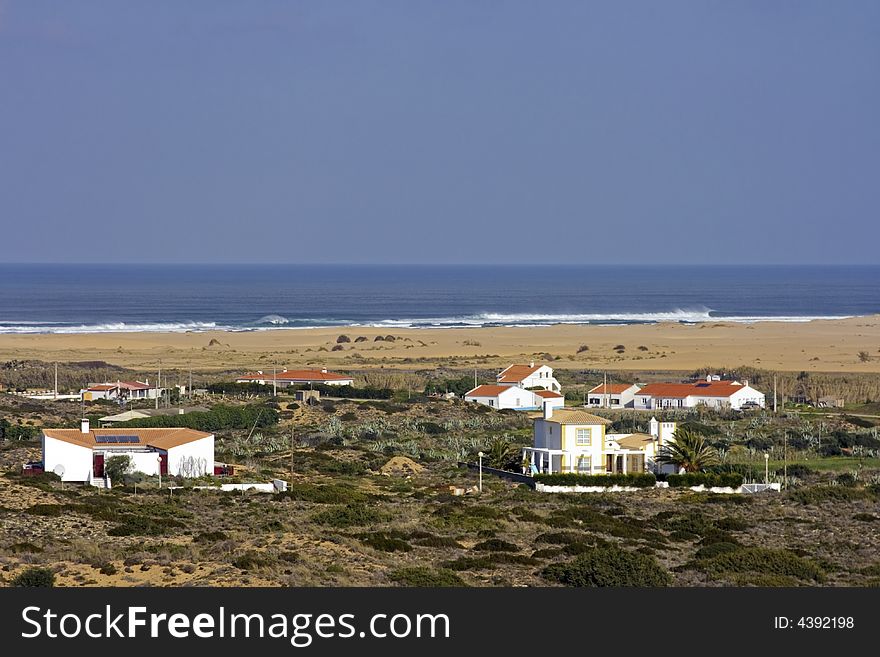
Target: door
{"points": [[98, 466], [163, 464]]}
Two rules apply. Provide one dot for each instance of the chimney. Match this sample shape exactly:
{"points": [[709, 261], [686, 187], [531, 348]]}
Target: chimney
{"points": [[709, 378], [84, 425], [180, 411], [531, 363], [323, 370], [548, 409], [745, 382]]}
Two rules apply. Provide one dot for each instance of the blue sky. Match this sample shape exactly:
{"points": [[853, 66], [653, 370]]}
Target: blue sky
{"points": [[440, 132]]}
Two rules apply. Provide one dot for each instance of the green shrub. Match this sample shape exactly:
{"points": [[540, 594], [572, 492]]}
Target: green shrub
{"points": [[35, 577], [609, 566], [219, 417], [764, 561], [637, 480], [116, 467], [866, 517], [438, 542], [707, 479], [495, 545], [252, 560], [143, 526], [714, 549], [425, 577], [820, 494], [731, 524], [326, 494], [210, 537], [385, 543], [349, 515], [49, 510]]}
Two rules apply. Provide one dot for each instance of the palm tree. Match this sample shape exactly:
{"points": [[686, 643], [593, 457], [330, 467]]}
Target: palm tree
{"points": [[500, 453], [689, 451]]}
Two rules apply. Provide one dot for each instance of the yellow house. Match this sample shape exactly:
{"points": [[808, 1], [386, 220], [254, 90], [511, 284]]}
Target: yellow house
{"points": [[568, 440]]}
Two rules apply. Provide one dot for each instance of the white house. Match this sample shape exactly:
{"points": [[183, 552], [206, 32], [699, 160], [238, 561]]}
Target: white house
{"points": [[544, 397], [648, 444], [121, 390], [529, 376], [296, 377], [575, 441], [81, 453], [503, 397], [568, 440], [612, 395], [712, 394]]}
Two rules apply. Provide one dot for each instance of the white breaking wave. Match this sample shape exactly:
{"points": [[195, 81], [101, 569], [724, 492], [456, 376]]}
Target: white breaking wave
{"points": [[112, 327], [275, 320]]}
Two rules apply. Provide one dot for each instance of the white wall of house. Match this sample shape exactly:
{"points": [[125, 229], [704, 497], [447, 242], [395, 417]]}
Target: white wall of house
{"points": [[554, 402], [77, 460], [551, 435], [747, 394], [202, 452], [540, 378], [626, 399], [734, 401], [146, 462], [513, 397]]}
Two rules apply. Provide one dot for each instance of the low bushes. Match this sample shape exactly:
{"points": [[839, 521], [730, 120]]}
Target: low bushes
{"points": [[495, 545], [609, 566], [385, 542], [35, 577], [491, 560], [637, 480], [425, 577], [349, 515], [708, 479], [819, 494], [761, 561]]}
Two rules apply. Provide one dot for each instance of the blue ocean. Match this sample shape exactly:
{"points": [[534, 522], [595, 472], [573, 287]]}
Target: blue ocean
{"points": [[108, 298]]}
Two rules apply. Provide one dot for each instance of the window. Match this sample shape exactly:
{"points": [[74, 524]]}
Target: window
{"points": [[491, 402], [584, 437], [584, 465]]}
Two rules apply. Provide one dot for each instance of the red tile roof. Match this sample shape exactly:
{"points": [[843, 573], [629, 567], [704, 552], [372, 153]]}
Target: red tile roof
{"points": [[612, 388], [548, 394], [164, 438], [487, 391], [516, 373], [295, 375], [682, 390]]}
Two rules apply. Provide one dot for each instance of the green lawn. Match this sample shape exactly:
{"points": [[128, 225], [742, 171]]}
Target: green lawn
{"points": [[828, 463]]}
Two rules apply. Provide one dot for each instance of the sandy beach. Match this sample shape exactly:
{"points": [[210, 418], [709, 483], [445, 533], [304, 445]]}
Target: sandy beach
{"points": [[818, 346]]}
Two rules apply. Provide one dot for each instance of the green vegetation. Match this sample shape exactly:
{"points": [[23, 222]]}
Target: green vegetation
{"points": [[219, 417], [35, 577], [609, 566], [349, 515], [708, 479], [117, 466], [637, 480], [425, 577], [690, 451]]}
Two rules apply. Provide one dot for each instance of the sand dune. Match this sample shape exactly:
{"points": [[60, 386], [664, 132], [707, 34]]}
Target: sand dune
{"points": [[820, 346]]}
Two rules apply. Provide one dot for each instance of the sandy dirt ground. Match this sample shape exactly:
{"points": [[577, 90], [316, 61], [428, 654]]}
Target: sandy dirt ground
{"points": [[819, 346]]}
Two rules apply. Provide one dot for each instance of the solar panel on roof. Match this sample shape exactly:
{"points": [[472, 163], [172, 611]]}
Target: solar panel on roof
{"points": [[117, 439]]}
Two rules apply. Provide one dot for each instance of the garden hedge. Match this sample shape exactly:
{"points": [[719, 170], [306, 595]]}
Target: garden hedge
{"points": [[708, 479], [637, 480]]}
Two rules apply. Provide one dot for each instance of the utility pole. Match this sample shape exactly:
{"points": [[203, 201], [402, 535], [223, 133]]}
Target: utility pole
{"points": [[774, 394], [291, 455], [605, 389], [274, 380], [475, 378], [158, 384], [56, 379], [785, 460], [190, 384]]}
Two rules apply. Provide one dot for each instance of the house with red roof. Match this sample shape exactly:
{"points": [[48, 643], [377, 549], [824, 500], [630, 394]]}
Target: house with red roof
{"points": [[121, 391], [79, 455], [520, 399], [709, 393], [288, 377], [612, 395], [529, 376]]}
